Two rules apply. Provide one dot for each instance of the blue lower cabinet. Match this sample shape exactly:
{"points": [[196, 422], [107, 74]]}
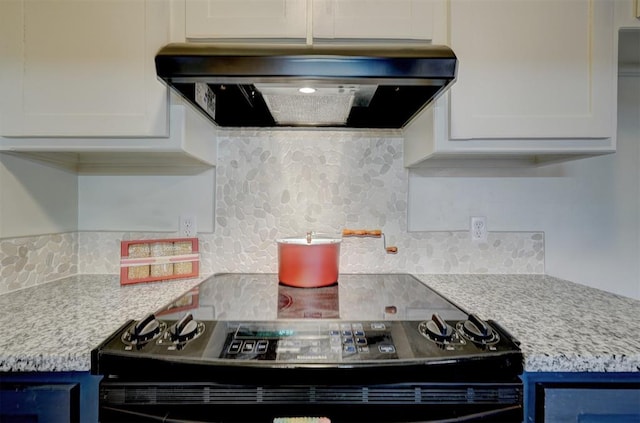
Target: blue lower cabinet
{"points": [[48, 397], [43, 403], [582, 397]]}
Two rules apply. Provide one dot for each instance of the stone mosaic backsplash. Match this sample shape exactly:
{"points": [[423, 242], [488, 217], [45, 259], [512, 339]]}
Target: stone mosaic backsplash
{"points": [[273, 184], [30, 261], [284, 183], [419, 252]]}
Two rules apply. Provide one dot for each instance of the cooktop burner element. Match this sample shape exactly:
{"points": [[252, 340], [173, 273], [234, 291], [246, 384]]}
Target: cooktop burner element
{"points": [[304, 303], [242, 348]]}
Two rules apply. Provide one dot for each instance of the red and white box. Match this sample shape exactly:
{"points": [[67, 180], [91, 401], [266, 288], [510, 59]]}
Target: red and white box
{"points": [[149, 260]]}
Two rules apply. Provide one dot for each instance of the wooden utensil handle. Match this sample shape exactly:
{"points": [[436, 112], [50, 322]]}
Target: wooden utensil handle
{"points": [[377, 233]]}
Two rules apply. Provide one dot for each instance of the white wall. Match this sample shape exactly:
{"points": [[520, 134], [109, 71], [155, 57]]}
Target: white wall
{"points": [[36, 199], [589, 209], [150, 203]]}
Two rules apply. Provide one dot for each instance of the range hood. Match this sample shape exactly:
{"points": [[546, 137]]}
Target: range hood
{"points": [[307, 85]]}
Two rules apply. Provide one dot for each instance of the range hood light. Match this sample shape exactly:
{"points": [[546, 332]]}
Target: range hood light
{"points": [[307, 90], [291, 106]]}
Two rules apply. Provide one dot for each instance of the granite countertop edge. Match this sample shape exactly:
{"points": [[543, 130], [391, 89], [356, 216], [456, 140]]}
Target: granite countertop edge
{"points": [[582, 354], [533, 363], [81, 362], [562, 326], [605, 363]]}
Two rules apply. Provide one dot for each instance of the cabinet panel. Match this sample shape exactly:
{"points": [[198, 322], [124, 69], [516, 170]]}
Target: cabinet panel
{"points": [[391, 19], [246, 18], [531, 69], [49, 396], [592, 405], [44, 403], [189, 148], [582, 397], [83, 68], [627, 13]]}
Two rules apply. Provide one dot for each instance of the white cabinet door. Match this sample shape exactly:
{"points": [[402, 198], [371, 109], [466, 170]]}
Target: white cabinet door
{"points": [[246, 19], [536, 83], [628, 13], [533, 69], [190, 147], [82, 68], [381, 19]]}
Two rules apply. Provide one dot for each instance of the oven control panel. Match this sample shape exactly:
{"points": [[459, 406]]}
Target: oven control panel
{"points": [[313, 341], [309, 342]]}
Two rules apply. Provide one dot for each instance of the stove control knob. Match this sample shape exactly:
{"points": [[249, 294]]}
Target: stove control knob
{"points": [[478, 330], [436, 329], [184, 329], [145, 330]]}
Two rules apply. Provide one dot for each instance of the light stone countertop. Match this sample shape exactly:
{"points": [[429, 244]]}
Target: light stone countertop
{"points": [[562, 326], [54, 326]]}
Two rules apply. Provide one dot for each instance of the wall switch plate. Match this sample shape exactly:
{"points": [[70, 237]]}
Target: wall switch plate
{"points": [[478, 228], [188, 227]]}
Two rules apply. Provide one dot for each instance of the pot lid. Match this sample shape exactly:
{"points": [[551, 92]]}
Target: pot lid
{"points": [[311, 238]]}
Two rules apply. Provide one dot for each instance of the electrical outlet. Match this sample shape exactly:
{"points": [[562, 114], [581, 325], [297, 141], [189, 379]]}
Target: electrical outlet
{"points": [[188, 226], [478, 229]]}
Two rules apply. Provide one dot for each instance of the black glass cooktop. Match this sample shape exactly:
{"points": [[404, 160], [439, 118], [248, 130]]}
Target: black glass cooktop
{"points": [[250, 320], [361, 297]]}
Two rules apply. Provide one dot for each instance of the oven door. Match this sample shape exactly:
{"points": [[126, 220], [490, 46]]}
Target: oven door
{"points": [[210, 402]]}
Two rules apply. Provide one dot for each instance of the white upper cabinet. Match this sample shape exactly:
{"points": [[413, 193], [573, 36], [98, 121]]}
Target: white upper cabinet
{"points": [[309, 19], [533, 69], [374, 19], [536, 82], [245, 19], [82, 68], [628, 13], [190, 147]]}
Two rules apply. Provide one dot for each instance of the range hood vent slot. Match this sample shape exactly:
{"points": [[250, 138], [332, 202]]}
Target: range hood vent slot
{"points": [[353, 87]]}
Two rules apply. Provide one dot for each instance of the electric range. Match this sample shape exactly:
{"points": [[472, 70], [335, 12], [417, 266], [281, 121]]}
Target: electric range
{"points": [[371, 348]]}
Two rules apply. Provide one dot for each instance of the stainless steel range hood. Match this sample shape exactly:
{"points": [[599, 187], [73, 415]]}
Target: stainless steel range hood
{"points": [[307, 86]]}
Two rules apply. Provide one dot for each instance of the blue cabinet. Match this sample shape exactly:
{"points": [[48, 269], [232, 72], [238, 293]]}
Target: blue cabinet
{"points": [[45, 397], [40, 402], [582, 397]]}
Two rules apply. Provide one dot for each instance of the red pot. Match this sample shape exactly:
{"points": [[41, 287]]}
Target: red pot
{"points": [[309, 261]]}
